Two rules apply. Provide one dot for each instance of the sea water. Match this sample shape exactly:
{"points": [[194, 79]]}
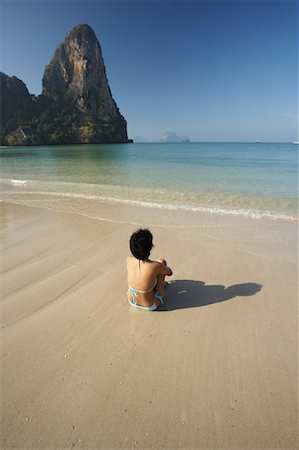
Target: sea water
{"points": [[246, 179]]}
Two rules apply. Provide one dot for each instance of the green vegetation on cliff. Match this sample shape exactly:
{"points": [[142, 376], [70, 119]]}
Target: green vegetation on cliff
{"points": [[76, 105]]}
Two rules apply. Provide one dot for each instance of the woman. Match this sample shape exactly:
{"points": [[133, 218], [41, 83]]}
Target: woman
{"points": [[145, 277]]}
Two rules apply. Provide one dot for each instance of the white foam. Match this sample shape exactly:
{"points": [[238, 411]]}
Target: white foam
{"points": [[255, 214], [250, 213], [19, 182]]}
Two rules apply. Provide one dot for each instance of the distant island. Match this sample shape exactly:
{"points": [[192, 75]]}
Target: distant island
{"points": [[171, 137], [76, 105]]}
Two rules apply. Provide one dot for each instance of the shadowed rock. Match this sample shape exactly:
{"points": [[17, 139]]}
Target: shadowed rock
{"points": [[76, 105]]}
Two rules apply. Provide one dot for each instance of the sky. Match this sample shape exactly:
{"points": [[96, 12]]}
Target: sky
{"points": [[210, 70]]}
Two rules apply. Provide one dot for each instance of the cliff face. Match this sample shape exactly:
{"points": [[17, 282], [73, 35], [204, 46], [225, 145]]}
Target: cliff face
{"points": [[76, 105], [17, 108], [15, 102], [77, 73], [76, 77]]}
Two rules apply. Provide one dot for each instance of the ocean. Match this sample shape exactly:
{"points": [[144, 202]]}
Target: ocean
{"points": [[257, 180]]}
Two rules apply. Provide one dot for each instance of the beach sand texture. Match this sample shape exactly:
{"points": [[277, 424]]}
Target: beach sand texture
{"points": [[81, 369]]}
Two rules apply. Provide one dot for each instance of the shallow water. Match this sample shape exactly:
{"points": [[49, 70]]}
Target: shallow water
{"points": [[254, 180]]}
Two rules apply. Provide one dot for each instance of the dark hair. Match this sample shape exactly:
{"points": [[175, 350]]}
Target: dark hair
{"points": [[141, 243]]}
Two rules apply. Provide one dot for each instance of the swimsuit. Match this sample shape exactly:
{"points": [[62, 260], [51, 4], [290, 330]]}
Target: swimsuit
{"points": [[136, 294]]}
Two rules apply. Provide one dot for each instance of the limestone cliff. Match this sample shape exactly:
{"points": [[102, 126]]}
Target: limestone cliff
{"points": [[76, 77], [76, 105], [16, 102]]}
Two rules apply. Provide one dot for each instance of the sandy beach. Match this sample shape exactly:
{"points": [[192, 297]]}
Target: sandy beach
{"points": [[217, 368]]}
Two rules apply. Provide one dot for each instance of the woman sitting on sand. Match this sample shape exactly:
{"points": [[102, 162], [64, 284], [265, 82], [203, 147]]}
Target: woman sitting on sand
{"points": [[145, 277]]}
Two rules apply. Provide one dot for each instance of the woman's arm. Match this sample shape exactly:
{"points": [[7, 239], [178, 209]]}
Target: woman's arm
{"points": [[163, 269]]}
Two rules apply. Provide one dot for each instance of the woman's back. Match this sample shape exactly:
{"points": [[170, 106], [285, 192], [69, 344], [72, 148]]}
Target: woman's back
{"points": [[141, 274], [145, 277]]}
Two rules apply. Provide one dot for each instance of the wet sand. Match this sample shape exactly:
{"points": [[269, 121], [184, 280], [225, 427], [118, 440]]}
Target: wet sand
{"points": [[217, 368]]}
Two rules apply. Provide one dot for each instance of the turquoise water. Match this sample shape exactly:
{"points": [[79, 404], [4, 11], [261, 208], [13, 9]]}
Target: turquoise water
{"points": [[227, 178]]}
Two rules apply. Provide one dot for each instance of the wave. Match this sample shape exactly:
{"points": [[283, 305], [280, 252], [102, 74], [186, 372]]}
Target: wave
{"points": [[229, 211], [19, 182]]}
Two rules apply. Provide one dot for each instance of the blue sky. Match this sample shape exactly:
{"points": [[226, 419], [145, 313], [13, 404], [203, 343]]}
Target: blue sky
{"points": [[208, 69]]}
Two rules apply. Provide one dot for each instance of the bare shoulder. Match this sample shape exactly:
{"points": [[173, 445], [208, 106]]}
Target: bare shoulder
{"points": [[156, 263]]}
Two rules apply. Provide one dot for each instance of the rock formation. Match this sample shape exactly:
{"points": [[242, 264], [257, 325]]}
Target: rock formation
{"points": [[76, 105], [15, 98], [77, 76], [16, 102]]}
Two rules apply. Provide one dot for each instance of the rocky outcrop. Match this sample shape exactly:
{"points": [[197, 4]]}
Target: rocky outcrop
{"points": [[76, 104], [76, 77], [16, 104], [24, 136]]}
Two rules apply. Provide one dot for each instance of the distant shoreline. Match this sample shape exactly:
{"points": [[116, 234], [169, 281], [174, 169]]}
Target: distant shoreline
{"points": [[132, 141]]}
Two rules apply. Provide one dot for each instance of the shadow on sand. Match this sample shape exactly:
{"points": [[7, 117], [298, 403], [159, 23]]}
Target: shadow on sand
{"points": [[190, 293]]}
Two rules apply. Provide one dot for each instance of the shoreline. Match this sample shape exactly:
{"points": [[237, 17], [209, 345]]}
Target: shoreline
{"points": [[245, 180], [218, 367], [227, 204], [28, 198]]}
